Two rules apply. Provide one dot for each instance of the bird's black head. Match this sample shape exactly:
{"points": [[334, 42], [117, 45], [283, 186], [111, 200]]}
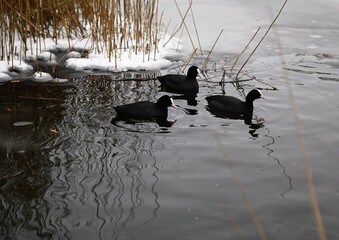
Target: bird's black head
{"points": [[193, 72], [253, 95], [165, 102]]}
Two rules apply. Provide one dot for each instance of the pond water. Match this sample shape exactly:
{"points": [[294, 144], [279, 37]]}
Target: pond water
{"points": [[66, 172]]}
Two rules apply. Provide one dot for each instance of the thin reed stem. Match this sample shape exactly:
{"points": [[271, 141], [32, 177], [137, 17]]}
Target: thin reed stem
{"points": [[245, 48], [210, 52], [181, 24], [262, 39], [183, 20], [188, 60], [196, 31]]}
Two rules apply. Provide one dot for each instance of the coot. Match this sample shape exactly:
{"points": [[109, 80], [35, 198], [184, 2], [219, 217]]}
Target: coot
{"points": [[175, 83], [145, 110], [229, 104]]}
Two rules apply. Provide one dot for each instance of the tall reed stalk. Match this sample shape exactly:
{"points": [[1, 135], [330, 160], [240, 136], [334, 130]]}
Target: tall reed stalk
{"points": [[111, 25]]}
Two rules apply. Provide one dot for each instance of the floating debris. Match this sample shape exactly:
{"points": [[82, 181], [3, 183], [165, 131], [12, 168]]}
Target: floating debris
{"points": [[22, 123]]}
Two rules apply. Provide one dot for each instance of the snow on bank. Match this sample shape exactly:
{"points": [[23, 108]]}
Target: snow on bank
{"points": [[6, 73], [126, 59], [296, 31]]}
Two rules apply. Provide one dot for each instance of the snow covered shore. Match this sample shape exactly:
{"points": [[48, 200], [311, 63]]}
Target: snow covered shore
{"points": [[238, 19], [126, 59]]}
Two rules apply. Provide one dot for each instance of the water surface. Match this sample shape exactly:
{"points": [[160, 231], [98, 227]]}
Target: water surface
{"points": [[67, 173]]}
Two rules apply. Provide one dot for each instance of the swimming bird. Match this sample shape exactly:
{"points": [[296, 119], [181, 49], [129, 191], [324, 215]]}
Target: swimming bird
{"points": [[176, 83], [233, 105], [145, 110]]}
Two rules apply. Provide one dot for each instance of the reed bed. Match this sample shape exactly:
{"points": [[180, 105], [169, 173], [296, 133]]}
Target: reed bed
{"points": [[110, 26]]}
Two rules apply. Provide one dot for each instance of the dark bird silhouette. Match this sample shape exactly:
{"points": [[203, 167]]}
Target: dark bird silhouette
{"points": [[175, 83], [145, 110], [232, 107]]}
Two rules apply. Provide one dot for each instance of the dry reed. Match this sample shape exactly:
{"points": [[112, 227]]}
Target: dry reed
{"points": [[210, 52], [236, 58], [262, 39], [112, 26], [245, 48], [181, 24]]}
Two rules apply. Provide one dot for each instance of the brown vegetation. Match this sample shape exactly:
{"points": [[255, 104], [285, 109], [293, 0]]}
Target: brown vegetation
{"points": [[109, 25]]}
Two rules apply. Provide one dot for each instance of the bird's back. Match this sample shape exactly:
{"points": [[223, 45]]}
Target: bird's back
{"points": [[178, 84], [227, 104], [171, 78], [141, 110]]}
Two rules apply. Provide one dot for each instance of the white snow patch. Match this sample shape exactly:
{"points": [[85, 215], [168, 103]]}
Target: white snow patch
{"points": [[128, 60], [73, 54], [125, 59], [41, 77], [18, 65], [4, 77], [125, 63], [43, 56], [5, 69]]}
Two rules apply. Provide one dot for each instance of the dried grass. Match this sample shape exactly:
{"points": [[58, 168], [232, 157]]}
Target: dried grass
{"points": [[111, 26]]}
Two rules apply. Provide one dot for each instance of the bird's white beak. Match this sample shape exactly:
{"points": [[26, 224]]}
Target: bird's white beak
{"points": [[201, 74], [173, 105], [261, 95]]}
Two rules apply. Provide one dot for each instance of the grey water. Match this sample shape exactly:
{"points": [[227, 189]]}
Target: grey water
{"points": [[66, 172], [193, 180]]}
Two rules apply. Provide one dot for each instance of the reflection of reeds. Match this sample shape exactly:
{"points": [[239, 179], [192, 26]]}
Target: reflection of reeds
{"points": [[314, 203], [241, 187], [306, 160], [111, 25]]}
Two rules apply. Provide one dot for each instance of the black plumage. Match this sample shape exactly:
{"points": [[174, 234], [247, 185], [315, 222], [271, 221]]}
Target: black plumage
{"points": [[145, 110], [181, 84], [229, 104]]}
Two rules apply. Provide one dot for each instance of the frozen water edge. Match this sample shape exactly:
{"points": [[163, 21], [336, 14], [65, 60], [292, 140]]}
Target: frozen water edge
{"points": [[126, 60], [296, 32]]}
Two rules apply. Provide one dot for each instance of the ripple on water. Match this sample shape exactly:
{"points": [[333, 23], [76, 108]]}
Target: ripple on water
{"points": [[93, 179], [112, 170]]}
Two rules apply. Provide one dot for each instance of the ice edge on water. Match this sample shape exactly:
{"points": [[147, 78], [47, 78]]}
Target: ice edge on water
{"points": [[126, 60]]}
